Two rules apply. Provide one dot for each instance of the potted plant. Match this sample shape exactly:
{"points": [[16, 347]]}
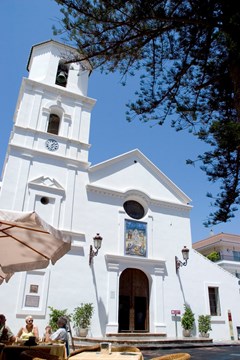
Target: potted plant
{"points": [[187, 321], [82, 316], [54, 315], [204, 325]]}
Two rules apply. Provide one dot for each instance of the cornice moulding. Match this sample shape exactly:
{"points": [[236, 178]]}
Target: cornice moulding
{"points": [[75, 164], [123, 194]]}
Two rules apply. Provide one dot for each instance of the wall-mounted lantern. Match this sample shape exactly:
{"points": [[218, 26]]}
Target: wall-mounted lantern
{"points": [[97, 242], [185, 254]]}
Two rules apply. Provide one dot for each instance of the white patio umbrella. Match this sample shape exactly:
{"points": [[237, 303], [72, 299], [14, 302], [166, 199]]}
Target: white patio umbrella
{"points": [[27, 242], [4, 276]]}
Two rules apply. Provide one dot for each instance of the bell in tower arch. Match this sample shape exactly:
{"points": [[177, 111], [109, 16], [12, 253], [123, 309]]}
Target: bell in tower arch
{"points": [[62, 74]]}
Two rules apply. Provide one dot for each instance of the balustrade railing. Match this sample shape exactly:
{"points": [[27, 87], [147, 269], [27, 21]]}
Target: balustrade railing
{"points": [[229, 258]]}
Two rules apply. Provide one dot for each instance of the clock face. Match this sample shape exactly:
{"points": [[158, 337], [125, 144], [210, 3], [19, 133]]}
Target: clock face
{"points": [[52, 144]]}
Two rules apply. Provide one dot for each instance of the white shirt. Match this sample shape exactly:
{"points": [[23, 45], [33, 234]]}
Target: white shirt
{"points": [[60, 334]]}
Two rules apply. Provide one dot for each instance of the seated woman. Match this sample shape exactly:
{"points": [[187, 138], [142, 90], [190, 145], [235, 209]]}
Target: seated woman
{"points": [[59, 334], [28, 330]]}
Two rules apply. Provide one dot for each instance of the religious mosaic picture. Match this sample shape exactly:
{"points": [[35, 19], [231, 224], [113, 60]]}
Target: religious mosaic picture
{"points": [[135, 238]]}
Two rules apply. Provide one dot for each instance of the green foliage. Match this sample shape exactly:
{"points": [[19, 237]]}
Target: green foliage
{"points": [[187, 320], [213, 256], [54, 315], [82, 315], [188, 58], [204, 324]]}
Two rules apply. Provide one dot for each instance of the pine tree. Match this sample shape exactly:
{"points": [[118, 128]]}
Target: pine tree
{"points": [[188, 55]]}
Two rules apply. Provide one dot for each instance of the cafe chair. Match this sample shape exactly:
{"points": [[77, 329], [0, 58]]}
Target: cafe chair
{"points": [[125, 349], [177, 356], [85, 348]]}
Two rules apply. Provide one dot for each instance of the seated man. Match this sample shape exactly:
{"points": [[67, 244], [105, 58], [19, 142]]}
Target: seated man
{"points": [[5, 332], [60, 334]]}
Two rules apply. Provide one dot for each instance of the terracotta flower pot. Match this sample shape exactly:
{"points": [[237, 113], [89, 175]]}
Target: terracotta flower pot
{"points": [[83, 332], [204, 335], [186, 333]]}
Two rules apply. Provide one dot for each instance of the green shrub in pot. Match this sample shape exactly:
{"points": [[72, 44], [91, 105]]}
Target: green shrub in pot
{"points": [[55, 314], [187, 321], [204, 325], [82, 315]]}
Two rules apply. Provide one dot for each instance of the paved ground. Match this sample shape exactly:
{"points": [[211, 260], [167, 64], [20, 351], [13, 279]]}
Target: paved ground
{"points": [[227, 350], [221, 352]]}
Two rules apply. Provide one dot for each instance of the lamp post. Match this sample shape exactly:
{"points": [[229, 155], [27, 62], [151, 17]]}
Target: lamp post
{"points": [[185, 254], [97, 242]]}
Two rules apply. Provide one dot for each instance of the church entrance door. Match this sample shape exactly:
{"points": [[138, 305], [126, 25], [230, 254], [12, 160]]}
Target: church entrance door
{"points": [[133, 301]]}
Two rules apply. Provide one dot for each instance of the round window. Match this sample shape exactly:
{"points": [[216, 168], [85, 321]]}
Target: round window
{"points": [[44, 200], [134, 209]]}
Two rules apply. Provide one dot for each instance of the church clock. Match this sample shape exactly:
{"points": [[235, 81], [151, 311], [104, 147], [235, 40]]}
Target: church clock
{"points": [[52, 144]]}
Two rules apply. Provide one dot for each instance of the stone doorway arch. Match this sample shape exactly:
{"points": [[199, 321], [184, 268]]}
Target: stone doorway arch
{"points": [[133, 314]]}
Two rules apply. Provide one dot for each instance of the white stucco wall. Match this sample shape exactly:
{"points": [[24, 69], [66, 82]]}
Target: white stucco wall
{"points": [[88, 200]]}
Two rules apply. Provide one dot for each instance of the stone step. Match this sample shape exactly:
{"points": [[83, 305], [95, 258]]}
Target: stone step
{"points": [[150, 340], [138, 334]]}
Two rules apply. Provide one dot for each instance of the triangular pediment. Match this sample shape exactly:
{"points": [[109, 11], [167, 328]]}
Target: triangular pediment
{"points": [[46, 182], [133, 172]]}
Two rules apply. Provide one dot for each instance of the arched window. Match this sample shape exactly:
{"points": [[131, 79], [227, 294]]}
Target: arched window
{"points": [[53, 124], [62, 74]]}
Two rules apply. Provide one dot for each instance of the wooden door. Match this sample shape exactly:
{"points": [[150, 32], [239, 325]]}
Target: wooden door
{"points": [[133, 301]]}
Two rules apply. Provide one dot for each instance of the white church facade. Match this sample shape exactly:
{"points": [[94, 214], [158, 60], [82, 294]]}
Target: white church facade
{"points": [[142, 216]]}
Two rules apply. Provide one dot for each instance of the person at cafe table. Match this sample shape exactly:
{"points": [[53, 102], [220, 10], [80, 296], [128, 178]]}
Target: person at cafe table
{"points": [[59, 334], [5, 332], [28, 330]]}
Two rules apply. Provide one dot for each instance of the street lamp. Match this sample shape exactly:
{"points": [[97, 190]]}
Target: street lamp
{"points": [[185, 254], [97, 242]]}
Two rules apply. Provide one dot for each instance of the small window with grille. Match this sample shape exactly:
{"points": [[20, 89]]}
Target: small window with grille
{"points": [[214, 301]]}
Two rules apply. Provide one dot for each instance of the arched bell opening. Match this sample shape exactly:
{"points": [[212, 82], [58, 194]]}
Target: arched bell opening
{"points": [[53, 124], [62, 74]]}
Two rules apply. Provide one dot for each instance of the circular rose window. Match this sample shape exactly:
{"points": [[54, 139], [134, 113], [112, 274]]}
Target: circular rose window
{"points": [[134, 209]]}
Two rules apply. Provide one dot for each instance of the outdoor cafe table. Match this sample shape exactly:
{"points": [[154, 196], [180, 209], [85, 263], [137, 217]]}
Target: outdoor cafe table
{"points": [[11, 352], [91, 355]]}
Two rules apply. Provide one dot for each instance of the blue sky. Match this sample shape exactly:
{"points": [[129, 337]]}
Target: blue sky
{"points": [[24, 23]]}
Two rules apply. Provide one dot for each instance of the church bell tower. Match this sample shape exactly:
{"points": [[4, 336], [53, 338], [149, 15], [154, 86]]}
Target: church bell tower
{"points": [[49, 144]]}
